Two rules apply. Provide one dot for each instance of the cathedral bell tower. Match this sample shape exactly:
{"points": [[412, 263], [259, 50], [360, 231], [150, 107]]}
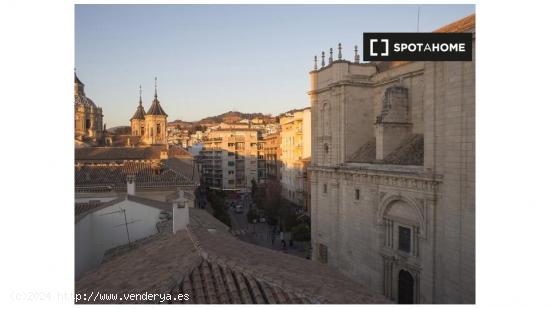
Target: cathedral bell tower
{"points": [[155, 123], [138, 120]]}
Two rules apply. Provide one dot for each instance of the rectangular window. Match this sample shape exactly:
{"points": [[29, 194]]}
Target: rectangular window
{"points": [[357, 194], [231, 163], [404, 239], [325, 188], [158, 128]]}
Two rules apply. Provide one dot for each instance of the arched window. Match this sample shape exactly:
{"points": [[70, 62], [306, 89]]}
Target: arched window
{"points": [[158, 128], [402, 224]]}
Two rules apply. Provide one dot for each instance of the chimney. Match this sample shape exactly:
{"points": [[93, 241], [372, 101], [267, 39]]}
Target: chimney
{"points": [[180, 216], [131, 184]]}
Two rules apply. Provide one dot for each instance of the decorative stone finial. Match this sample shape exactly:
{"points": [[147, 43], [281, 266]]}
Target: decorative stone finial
{"points": [[322, 59], [356, 55], [330, 57], [315, 62], [339, 51]]}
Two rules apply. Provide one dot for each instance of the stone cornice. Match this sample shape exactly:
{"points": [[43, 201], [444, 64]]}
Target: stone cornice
{"points": [[363, 82], [411, 177]]}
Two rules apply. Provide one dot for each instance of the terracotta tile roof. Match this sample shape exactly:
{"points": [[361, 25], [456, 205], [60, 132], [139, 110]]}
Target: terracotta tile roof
{"points": [[123, 140], [462, 25], [118, 153], [150, 202], [82, 209], [154, 267], [114, 175], [177, 151], [213, 266]]}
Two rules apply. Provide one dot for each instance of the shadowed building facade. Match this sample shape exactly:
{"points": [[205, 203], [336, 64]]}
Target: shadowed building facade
{"points": [[393, 174]]}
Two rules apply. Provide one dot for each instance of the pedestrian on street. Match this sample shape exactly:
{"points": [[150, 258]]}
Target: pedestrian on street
{"points": [[283, 242]]}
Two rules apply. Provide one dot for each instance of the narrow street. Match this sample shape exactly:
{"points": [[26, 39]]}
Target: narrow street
{"points": [[261, 234]]}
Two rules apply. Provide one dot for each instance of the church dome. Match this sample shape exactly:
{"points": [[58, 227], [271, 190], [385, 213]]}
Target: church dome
{"points": [[79, 95]]}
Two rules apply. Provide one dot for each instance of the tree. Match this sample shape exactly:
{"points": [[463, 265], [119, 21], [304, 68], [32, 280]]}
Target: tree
{"points": [[254, 188], [217, 201], [273, 199], [301, 232]]}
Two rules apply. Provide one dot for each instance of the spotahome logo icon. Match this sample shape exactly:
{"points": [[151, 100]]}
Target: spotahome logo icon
{"points": [[404, 46]]}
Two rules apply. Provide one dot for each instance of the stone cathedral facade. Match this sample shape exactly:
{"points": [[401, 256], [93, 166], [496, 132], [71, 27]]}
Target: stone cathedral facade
{"points": [[393, 174]]}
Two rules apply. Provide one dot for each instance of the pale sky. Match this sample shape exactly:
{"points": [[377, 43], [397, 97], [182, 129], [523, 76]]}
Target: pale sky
{"points": [[210, 59]]}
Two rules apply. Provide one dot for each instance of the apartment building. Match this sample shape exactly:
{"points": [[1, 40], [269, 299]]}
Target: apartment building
{"points": [[229, 159], [295, 147], [272, 154]]}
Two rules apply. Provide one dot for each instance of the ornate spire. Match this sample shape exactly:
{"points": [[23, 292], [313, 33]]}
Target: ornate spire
{"points": [[155, 108], [140, 95], [330, 57], [155, 87], [140, 111], [356, 55], [339, 51], [315, 62], [323, 59]]}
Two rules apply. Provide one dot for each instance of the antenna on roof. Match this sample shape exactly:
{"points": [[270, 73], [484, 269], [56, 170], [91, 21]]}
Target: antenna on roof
{"points": [[123, 211], [418, 19]]}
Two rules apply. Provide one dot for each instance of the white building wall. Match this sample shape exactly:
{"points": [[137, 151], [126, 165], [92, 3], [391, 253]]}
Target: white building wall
{"points": [[100, 231]]}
